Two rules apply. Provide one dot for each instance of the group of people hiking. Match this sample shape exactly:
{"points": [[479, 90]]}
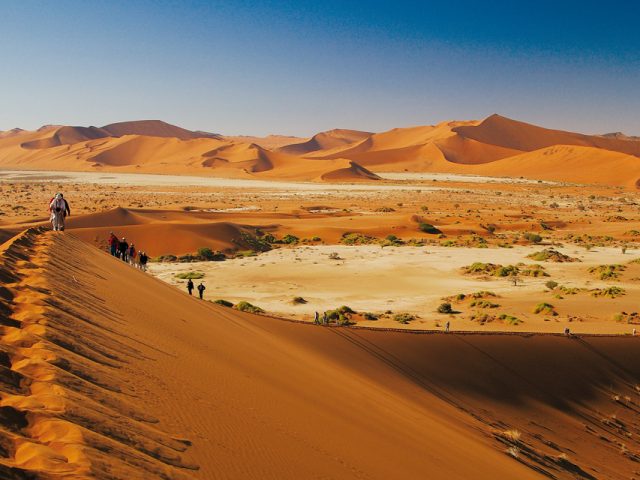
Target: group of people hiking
{"points": [[127, 252], [201, 288]]}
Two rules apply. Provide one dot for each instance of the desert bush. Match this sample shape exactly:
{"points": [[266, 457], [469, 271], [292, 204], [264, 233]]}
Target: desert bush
{"points": [[551, 284], [510, 319], [404, 318], [247, 307], [190, 275], [428, 228], [384, 210], [259, 244], [370, 316], [545, 309], [167, 257], [224, 303], [357, 239], [290, 239], [205, 253], [532, 237], [334, 256], [611, 292], [445, 308], [534, 270], [315, 238], [484, 304], [551, 255], [607, 272], [298, 301]]}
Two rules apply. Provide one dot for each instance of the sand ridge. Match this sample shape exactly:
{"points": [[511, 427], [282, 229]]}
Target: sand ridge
{"points": [[243, 395]]}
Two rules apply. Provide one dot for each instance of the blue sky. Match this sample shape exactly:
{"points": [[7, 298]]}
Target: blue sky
{"points": [[298, 67]]}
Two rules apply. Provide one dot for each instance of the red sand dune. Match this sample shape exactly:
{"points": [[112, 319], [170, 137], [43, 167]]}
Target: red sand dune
{"points": [[109, 373]]}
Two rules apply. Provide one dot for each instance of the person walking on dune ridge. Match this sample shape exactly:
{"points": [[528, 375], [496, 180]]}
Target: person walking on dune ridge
{"points": [[190, 286], [114, 243], [59, 209], [123, 249]]}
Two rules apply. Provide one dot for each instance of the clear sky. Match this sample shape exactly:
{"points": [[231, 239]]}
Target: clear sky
{"points": [[298, 67]]}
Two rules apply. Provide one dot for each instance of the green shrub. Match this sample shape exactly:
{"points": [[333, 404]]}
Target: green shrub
{"points": [[545, 309], [290, 239], [551, 284], [370, 316], [247, 307], [532, 237], [510, 319], [445, 308], [258, 244], [357, 239], [611, 292], [167, 257], [428, 228], [484, 304], [205, 253], [607, 272], [403, 318], [551, 255], [224, 303], [534, 270], [190, 275]]}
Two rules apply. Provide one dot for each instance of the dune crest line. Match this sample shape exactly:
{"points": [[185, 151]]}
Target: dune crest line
{"points": [[64, 414]]}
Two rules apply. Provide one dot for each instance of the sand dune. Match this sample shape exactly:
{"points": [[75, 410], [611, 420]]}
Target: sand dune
{"points": [[155, 128], [108, 373], [326, 140], [270, 141], [504, 132], [510, 148]]}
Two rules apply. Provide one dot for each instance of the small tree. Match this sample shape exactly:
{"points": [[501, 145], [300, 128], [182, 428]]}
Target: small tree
{"points": [[205, 253], [445, 308]]}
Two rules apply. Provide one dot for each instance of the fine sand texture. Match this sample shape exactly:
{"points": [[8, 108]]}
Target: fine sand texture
{"points": [[110, 373]]}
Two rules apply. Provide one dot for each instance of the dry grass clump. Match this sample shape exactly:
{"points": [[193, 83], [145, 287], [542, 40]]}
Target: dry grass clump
{"points": [[492, 269], [534, 270], [551, 255], [545, 309], [607, 272], [484, 304], [624, 317], [404, 318], [610, 292]]}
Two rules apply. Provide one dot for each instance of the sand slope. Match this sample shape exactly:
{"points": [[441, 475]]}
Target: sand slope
{"points": [[326, 140], [108, 373]]}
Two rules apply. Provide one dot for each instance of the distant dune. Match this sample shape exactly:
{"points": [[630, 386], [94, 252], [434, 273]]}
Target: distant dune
{"points": [[503, 146], [155, 128], [325, 141]]}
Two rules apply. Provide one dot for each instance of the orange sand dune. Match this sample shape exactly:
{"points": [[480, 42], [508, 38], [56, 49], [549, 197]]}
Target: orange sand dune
{"points": [[326, 140], [152, 146], [570, 163], [109, 373], [157, 154], [270, 142], [155, 128], [502, 131]]}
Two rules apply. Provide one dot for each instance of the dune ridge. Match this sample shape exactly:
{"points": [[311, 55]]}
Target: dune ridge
{"points": [[101, 361], [58, 384]]}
